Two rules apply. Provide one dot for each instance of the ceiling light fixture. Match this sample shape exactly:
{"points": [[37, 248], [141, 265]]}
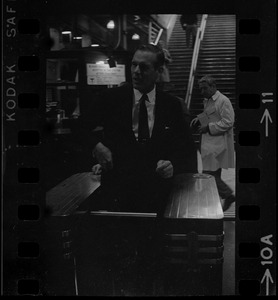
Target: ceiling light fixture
{"points": [[110, 24], [135, 37], [66, 32]]}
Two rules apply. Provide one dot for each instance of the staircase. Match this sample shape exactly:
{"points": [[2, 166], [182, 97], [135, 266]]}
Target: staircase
{"points": [[217, 57], [179, 69]]}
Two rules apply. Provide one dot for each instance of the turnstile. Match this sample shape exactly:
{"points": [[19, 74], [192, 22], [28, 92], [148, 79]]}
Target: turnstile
{"points": [[193, 237], [135, 254]]}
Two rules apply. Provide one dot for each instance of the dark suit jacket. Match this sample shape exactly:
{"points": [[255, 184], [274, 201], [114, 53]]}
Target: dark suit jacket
{"points": [[134, 165], [188, 19]]}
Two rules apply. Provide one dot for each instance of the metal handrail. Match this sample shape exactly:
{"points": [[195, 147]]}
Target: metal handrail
{"points": [[158, 36], [199, 38], [157, 31]]}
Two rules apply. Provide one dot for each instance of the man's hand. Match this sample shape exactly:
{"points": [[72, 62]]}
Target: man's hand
{"points": [[103, 156], [165, 169], [203, 129], [97, 169], [194, 122]]}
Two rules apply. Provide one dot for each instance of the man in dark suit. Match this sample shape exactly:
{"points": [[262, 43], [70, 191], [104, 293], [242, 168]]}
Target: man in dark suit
{"points": [[189, 24], [137, 170]]}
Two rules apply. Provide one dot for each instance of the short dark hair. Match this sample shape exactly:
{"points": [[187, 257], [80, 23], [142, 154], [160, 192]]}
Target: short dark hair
{"points": [[208, 79], [160, 58]]}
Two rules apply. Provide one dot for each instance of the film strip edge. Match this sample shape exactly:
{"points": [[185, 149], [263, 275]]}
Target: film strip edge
{"points": [[255, 214]]}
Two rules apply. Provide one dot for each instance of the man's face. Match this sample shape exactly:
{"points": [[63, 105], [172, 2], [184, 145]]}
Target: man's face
{"points": [[206, 90], [143, 72]]}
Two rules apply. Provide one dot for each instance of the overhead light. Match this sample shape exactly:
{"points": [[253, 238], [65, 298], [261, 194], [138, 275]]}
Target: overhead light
{"points": [[66, 36], [135, 37], [66, 32], [110, 24], [77, 37], [95, 45]]}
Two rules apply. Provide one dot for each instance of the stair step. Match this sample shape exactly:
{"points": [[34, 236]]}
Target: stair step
{"points": [[212, 42], [213, 51], [180, 45], [222, 60], [219, 34], [216, 44], [180, 67], [212, 55], [216, 67]]}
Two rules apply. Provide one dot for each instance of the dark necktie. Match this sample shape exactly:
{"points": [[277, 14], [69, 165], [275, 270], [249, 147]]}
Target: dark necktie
{"points": [[143, 126]]}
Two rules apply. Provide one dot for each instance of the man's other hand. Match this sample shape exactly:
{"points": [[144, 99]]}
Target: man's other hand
{"points": [[97, 169], [165, 169], [203, 129], [194, 122], [103, 156]]}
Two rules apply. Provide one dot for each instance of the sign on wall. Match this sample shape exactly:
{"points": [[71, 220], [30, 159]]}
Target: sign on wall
{"points": [[102, 74]]}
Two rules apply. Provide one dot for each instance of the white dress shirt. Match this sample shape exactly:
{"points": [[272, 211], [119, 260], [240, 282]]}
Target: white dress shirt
{"points": [[150, 108]]}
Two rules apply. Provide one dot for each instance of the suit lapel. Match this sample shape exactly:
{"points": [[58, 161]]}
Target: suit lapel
{"points": [[159, 115], [126, 108], [127, 105]]}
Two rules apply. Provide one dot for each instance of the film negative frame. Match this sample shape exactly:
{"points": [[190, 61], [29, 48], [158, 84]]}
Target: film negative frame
{"points": [[23, 94]]}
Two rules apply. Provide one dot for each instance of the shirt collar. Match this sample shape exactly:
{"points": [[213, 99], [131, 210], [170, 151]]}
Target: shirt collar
{"points": [[215, 96], [151, 95]]}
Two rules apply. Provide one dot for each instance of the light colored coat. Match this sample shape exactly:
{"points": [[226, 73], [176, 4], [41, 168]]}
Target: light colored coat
{"points": [[217, 147]]}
